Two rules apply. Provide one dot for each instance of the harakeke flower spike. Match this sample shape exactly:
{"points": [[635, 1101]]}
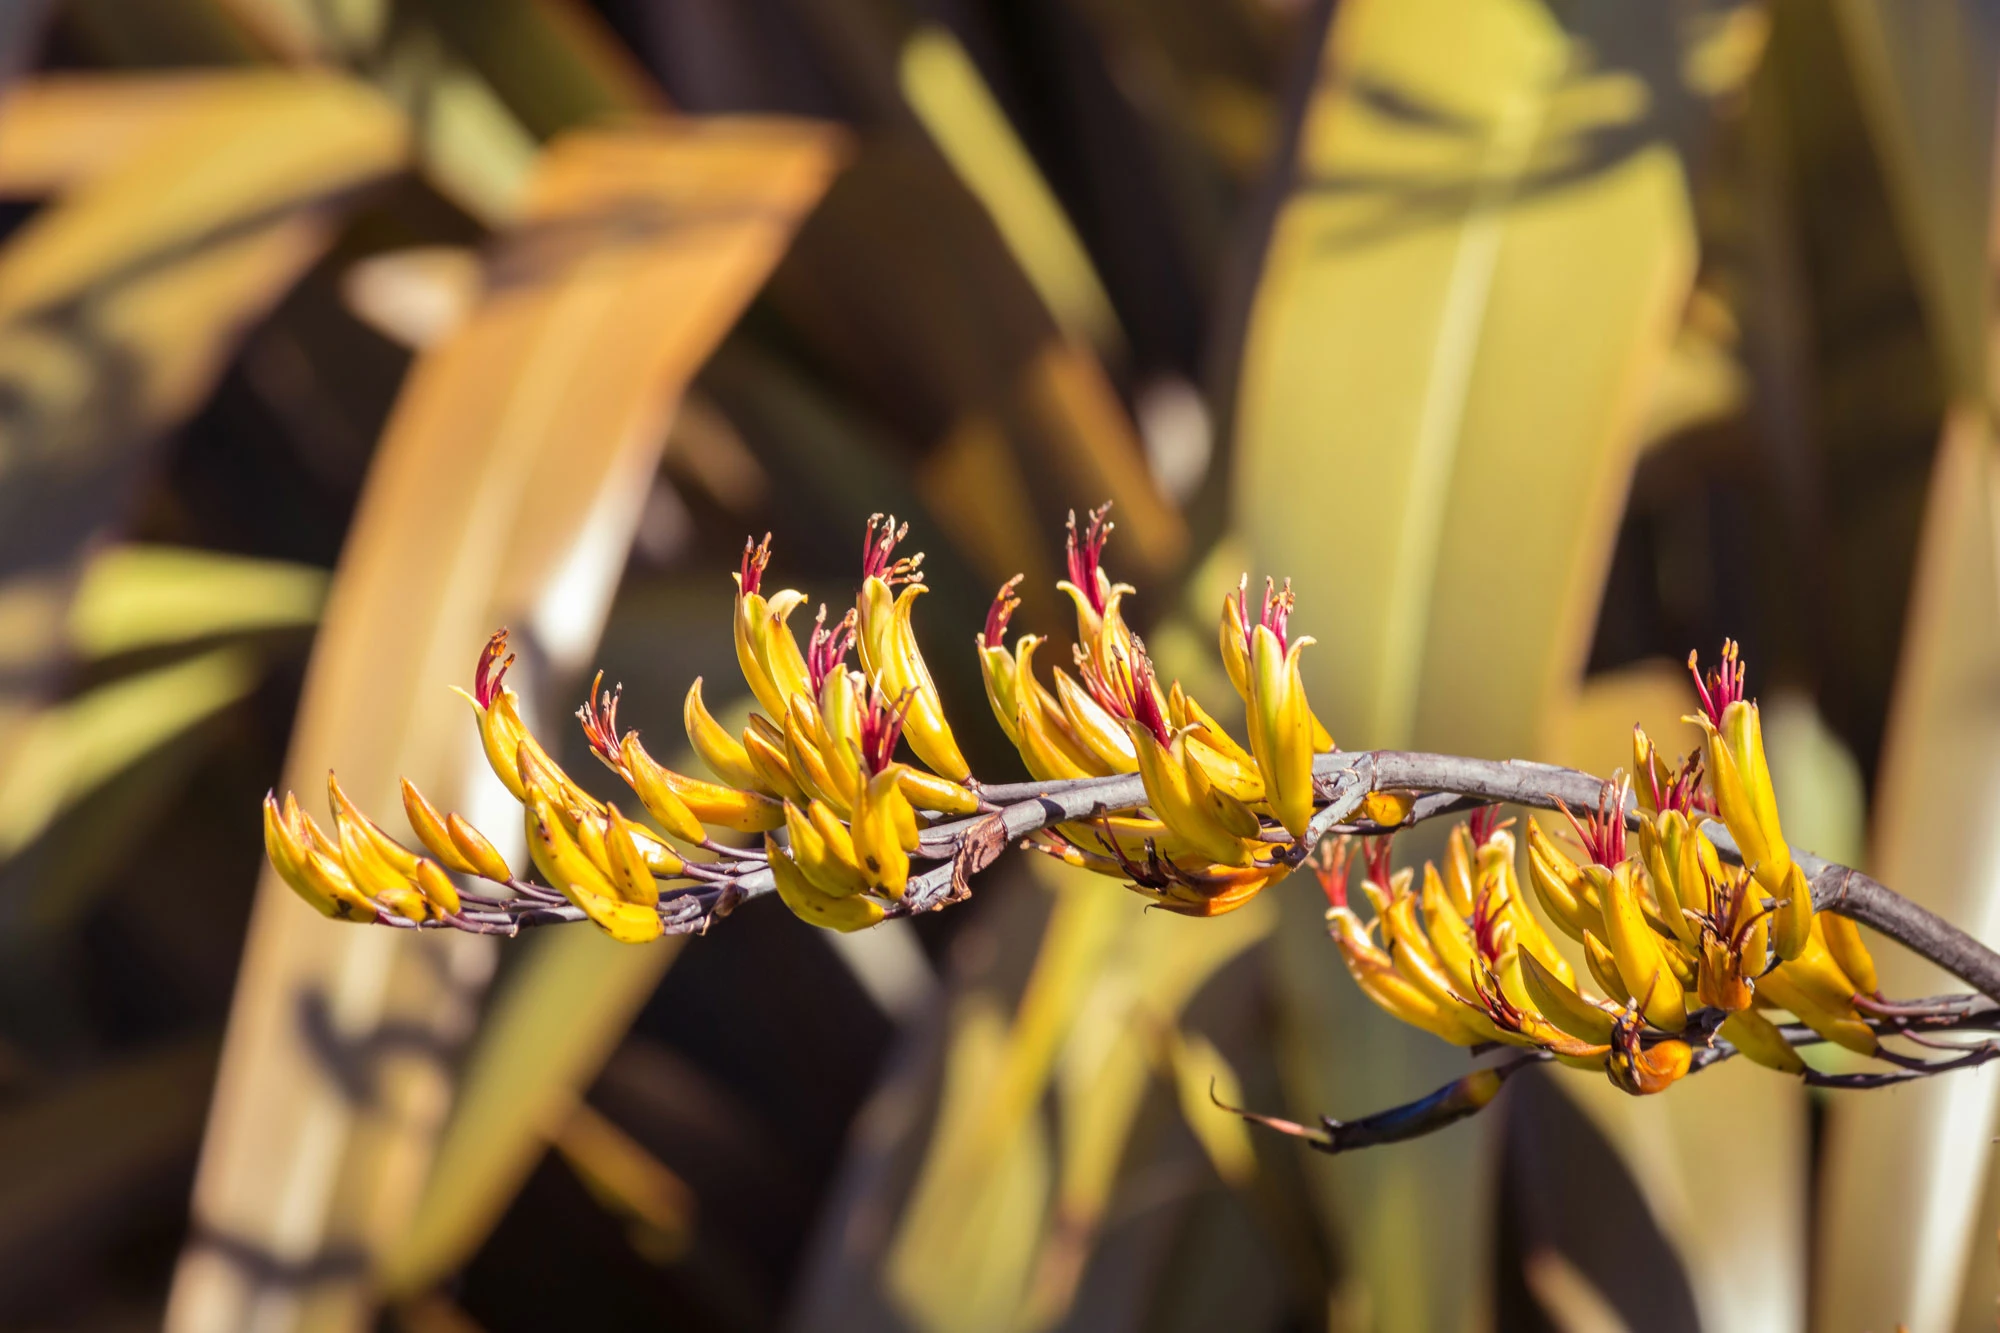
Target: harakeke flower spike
{"points": [[1636, 940]]}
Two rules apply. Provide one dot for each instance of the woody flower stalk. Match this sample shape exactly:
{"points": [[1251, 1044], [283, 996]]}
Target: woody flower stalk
{"points": [[1661, 925]]}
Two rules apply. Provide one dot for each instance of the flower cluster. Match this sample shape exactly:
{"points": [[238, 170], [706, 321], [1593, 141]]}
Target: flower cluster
{"points": [[1672, 938], [1201, 845], [818, 773]]}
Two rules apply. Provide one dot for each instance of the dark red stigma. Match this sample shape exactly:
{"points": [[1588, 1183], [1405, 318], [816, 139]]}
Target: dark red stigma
{"points": [[878, 551], [1146, 696], [1683, 791], [1486, 925], [1005, 603], [599, 716], [1483, 823], [1086, 556], [756, 556], [1723, 687], [1329, 866], [1377, 851], [1602, 831], [490, 676], [1126, 688], [826, 652], [882, 727]]}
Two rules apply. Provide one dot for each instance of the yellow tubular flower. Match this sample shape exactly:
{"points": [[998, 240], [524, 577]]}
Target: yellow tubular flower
{"points": [[1740, 778], [880, 823], [1163, 767], [1495, 862], [1843, 940], [1640, 955], [1559, 886], [673, 799], [996, 664], [1838, 1023], [1281, 728], [1585, 1019], [563, 863], [1089, 587], [824, 852], [1096, 729], [1051, 752], [748, 624], [1237, 643], [311, 874], [855, 912], [778, 651], [887, 642], [1759, 1039], [722, 752]]}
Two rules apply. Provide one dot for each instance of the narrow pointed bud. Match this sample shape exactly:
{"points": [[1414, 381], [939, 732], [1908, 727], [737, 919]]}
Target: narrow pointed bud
{"points": [[1739, 775], [1281, 729]]}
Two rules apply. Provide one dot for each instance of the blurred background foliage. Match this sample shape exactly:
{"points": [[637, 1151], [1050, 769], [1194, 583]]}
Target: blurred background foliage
{"points": [[1539, 341]]}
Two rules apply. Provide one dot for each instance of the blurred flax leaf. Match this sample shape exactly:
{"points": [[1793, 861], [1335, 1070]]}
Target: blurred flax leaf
{"points": [[984, 1215], [145, 596], [66, 751], [121, 300], [1924, 1158], [1464, 302], [558, 1016], [1929, 77], [506, 490], [1930, 91], [945, 90]]}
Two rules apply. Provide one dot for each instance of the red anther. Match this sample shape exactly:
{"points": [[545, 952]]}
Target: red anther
{"points": [[491, 674], [756, 556], [1086, 556], [1683, 791], [878, 551], [599, 716], [1005, 603], [1724, 686], [1277, 615], [826, 651], [882, 727], [1602, 832]]}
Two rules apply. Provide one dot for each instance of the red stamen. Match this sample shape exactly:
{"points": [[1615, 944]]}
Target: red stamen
{"points": [[1278, 612], [1484, 823], [1683, 791], [1086, 557], [1146, 696], [882, 727], [826, 652], [1005, 603], [1329, 866], [1486, 924], [1602, 831], [490, 675], [1377, 852], [1235, 604], [1126, 688], [1724, 686], [878, 549], [599, 716], [756, 556]]}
